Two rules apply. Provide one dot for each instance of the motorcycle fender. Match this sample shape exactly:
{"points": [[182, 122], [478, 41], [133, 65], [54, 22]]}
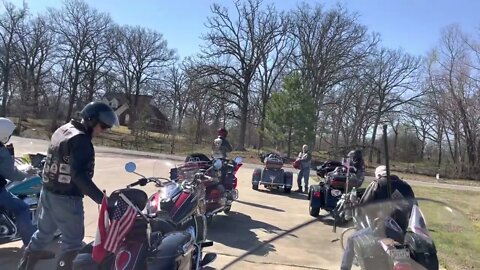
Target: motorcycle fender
{"points": [[288, 179], [174, 252], [257, 175], [316, 202]]}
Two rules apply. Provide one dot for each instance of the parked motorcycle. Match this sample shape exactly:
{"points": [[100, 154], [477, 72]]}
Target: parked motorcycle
{"points": [[159, 240], [183, 202], [220, 184], [27, 190], [331, 194]]}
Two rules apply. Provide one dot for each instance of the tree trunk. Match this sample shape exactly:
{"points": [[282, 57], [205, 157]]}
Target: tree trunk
{"points": [[289, 143], [6, 77], [243, 121], [374, 135]]}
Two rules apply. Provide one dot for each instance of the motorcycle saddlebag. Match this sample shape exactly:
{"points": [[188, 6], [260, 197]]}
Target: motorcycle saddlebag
{"points": [[174, 252]]}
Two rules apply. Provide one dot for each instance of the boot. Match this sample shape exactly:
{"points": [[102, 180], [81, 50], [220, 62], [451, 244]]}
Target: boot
{"points": [[299, 189], [30, 258], [65, 262]]}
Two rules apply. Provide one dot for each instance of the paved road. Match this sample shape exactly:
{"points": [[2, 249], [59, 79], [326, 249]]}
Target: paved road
{"points": [[36, 145], [256, 217]]}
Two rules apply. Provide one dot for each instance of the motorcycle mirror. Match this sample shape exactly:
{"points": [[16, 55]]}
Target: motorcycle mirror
{"points": [[217, 164], [130, 167], [238, 160]]}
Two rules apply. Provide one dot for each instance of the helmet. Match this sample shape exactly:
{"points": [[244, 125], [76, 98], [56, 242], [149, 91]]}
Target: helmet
{"points": [[381, 171], [6, 129], [99, 113], [222, 132]]}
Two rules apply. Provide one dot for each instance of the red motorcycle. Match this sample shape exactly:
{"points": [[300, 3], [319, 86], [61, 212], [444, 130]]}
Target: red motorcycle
{"points": [[220, 184], [171, 236]]}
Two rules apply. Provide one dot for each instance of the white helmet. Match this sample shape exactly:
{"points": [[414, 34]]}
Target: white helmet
{"points": [[381, 171], [6, 129]]}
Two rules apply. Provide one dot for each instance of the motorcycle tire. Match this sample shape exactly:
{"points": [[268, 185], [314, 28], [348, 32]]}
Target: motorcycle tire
{"points": [[227, 209], [314, 211], [287, 190], [255, 186]]}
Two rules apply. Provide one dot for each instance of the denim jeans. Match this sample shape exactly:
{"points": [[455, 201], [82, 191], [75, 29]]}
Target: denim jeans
{"points": [[59, 212], [349, 252], [305, 174], [21, 211]]}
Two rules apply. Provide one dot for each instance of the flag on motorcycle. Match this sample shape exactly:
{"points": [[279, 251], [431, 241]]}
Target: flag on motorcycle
{"points": [[99, 252], [121, 223]]}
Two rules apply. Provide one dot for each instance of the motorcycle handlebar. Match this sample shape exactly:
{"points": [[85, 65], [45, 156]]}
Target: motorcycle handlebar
{"points": [[144, 181]]}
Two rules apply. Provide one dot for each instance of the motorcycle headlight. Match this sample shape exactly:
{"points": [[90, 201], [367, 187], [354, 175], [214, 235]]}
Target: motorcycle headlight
{"points": [[335, 192]]}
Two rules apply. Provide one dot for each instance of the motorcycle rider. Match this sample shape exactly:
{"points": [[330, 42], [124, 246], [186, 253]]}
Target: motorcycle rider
{"points": [[221, 146], [8, 171], [67, 178], [356, 160], [378, 191]]}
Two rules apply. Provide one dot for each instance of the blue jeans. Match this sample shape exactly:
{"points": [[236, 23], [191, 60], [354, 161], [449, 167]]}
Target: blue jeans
{"points": [[349, 252], [305, 174], [21, 211], [59, 212]]}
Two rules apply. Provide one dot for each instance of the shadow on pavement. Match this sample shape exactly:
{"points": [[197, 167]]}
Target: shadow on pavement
{"points": [[260, 206], [235, 230], [328, 220], [9, 257], [293, 195]]}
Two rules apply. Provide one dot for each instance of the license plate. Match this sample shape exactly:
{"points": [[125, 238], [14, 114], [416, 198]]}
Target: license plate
{"points": [[398, 254]]}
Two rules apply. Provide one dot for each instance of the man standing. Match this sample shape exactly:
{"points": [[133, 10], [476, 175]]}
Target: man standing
{"points": [[305, 158], [67, 177]]}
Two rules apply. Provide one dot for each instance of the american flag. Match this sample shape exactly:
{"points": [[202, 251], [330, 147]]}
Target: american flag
{"points": [[121, 223]]}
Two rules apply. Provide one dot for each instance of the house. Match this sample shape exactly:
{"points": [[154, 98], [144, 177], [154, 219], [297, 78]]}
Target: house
{"points": [[157, 121]]}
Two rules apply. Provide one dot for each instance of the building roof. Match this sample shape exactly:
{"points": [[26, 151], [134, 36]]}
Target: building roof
{"points": [[143, 101]]}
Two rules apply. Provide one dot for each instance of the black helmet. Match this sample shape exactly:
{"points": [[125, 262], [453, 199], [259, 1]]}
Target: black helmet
{"points": [[99, 113]]}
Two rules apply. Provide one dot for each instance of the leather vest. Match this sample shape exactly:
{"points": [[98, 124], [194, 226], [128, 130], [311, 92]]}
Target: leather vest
{"points": [[56, 173]]}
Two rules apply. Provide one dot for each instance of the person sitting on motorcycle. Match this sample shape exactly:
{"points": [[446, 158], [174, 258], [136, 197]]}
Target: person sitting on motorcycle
{"points": [[377, 191], [356, 160], [8, 171], [221, 146]]}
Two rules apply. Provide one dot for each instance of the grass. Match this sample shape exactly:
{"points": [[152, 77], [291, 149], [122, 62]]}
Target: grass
{"points": [[456, 234]]}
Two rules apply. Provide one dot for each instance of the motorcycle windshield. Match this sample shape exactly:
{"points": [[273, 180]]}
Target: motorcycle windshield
{"points": [[434, 233], [188, 170]]}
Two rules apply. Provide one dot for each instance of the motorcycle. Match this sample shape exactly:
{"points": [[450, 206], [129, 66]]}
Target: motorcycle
{"points": [[158, 240], [220, 185], [385, 248], [332, 195], [389, 241], [183, 202], [27, 190]]}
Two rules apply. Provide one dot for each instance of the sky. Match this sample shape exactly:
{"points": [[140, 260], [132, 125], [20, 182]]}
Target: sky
{"points": [[413, 25]]}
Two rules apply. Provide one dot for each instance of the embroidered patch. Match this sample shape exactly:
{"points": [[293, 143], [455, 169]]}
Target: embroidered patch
{"points": [[65, 179]]}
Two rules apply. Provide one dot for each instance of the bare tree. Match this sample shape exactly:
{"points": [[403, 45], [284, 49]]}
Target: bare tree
{"points": [[34, 53], [76, 27], [393, 76], [10, 20], [138, 56], [330, 44], [237, 47]]}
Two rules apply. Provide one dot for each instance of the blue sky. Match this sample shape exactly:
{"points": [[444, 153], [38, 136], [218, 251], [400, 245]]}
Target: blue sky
{"points": [[413, 25]]}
